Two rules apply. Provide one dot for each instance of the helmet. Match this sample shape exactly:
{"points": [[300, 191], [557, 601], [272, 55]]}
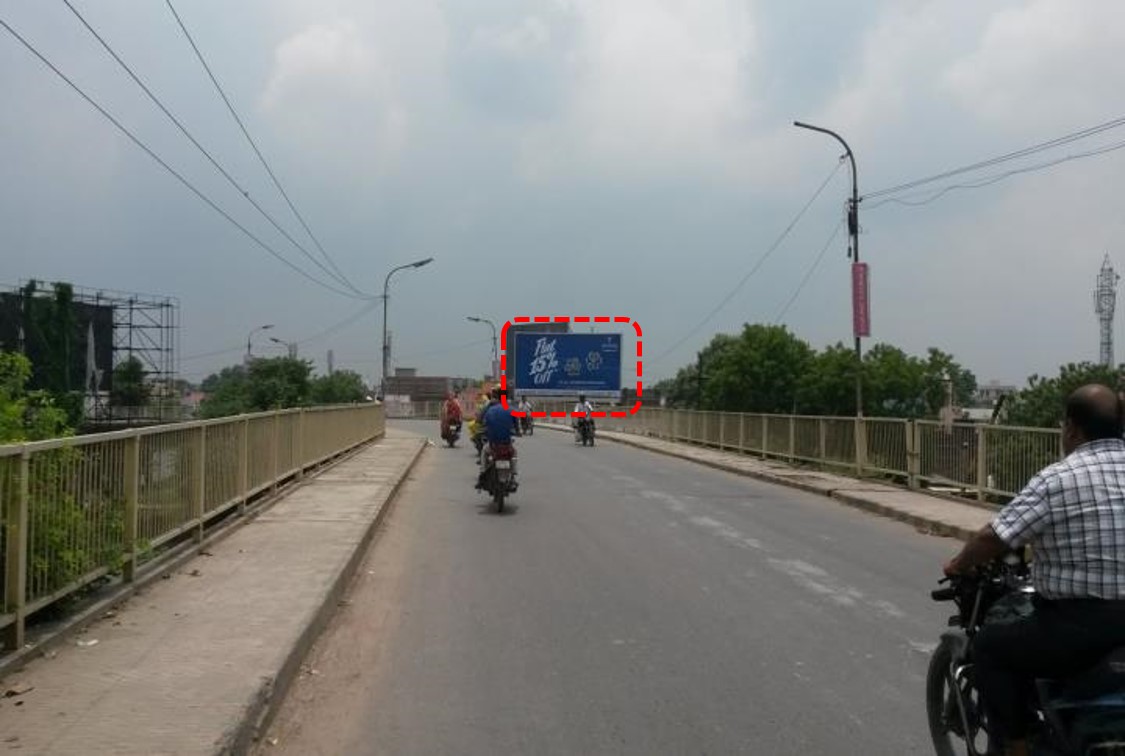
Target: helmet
{"points": [[581, 397]]}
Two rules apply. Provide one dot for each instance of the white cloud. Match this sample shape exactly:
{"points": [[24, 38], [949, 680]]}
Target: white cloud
{"points": [[529, 35], [656, 86], [1049, 62]]}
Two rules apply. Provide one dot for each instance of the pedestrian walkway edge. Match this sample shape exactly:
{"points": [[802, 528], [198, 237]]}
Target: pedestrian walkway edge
{"points": [[264, 706]]}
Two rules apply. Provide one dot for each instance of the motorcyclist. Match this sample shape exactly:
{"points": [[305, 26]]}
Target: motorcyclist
{"points": [[583, 406], [450, 414], [497, 432], [1071, 513], [526, 408]]}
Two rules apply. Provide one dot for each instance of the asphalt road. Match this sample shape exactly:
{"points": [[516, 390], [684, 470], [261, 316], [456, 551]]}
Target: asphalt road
{"points": [[626, 603]]}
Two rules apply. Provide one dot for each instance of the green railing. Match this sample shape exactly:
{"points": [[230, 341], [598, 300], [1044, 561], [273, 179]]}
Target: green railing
{"points": [[77, 509]]}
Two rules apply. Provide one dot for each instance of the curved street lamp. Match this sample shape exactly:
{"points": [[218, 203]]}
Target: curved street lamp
{"points": [[495, 353], [250, 335], [387, 346]]}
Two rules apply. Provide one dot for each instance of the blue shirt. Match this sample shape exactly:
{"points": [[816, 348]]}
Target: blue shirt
{"points": [[498, 424]]}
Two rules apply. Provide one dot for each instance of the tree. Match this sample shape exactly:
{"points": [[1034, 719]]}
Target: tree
{"points": [[129, 387], [24, 415], [937, 366], [1041, 404], [828, 385], [893, 383], [341, 387], [268, 384], [757, 371]]}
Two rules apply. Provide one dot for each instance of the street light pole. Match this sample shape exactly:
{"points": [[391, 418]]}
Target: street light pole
{"points": [[386, 344], [853, 234], [250, 335], [495, 349]]}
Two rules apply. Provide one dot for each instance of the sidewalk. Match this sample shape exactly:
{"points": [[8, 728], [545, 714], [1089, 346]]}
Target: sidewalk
{"points": [[936, 514], [193, 663]]}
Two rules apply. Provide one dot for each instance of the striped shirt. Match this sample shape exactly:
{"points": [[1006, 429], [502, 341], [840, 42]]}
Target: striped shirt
{"points": [[1073, 514]]}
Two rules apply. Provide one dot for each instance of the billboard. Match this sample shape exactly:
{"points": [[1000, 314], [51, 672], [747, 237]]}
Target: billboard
{"points": [[554, 364]]}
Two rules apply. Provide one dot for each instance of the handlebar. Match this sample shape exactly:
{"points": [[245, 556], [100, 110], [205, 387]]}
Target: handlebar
{"points": [[944, 594]]}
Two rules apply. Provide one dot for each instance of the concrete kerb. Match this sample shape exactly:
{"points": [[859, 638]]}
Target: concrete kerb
{"points": [[176, 558], [849, 497], [265, 704]]}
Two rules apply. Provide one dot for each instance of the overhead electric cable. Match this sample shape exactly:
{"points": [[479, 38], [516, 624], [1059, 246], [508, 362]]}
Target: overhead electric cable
{"points": [[183, 129], [809, 273], [757, 265], [1026, 151], [253, 145], [179, 177]]}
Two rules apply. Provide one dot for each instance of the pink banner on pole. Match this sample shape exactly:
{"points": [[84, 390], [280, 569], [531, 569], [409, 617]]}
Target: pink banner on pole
{"points": [[861, 303]]}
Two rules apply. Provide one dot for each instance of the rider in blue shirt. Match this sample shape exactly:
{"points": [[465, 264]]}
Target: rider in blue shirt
{"points": [[497, 421]]}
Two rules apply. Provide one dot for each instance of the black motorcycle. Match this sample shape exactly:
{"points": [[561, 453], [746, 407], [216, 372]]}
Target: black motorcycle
{"points": [[452, 433], [527, 424], [497, 478], [1073, 717], [585, 431]]}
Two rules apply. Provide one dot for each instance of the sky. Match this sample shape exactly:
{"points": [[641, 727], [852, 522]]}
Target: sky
{"points": [[574, 157]]}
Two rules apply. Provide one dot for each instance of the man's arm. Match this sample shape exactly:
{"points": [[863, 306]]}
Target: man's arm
{"points": [[982, 548]]}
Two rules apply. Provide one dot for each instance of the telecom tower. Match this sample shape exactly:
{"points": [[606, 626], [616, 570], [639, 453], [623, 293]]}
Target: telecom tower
{"points": [[1105, 300]]}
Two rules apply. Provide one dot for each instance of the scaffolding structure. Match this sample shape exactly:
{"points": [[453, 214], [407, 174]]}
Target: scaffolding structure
{"points": [[144, 327], [1105, 303]]}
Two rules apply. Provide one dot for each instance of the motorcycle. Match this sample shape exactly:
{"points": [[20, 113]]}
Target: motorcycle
{"points": [[585, 431], [1077, 716], [476, 435], [452, 433], [527, 424], [498, 478]]}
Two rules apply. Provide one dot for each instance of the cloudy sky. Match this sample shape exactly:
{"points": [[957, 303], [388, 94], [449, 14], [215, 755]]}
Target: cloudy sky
{"points": [[617, 157]]}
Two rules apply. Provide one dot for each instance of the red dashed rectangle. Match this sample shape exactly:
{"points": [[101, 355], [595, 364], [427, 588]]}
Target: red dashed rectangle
{"points": [[565, 319]]}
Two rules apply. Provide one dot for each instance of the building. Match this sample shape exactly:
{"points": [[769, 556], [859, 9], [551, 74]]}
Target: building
{"points": [[988, 395], [412, 387]]}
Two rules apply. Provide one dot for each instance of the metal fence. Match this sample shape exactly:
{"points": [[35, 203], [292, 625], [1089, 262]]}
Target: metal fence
{"points": [[77, 509], [981, 461]]}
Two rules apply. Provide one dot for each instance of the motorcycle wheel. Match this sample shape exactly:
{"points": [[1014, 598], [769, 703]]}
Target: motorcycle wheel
{"points": [[943, 712], [498, 497]]}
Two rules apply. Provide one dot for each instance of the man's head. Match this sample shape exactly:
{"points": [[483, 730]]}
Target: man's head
{"points": [[1093, 412], [494, 395], [581, 397]]}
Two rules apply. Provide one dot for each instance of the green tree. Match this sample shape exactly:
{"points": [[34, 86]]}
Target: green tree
{"points": [[129, 386], [225, 393], [26, 415], [268, 384], [757, 371], [341, 387], [1041, 403], [938, 365], [893, 383], [828, 385]]}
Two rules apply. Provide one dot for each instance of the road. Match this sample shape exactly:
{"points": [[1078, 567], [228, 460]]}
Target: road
{"points": [[627, 603]]}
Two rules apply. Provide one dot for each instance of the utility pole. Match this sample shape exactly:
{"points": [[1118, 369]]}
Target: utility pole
{"points": [[861, 321]]}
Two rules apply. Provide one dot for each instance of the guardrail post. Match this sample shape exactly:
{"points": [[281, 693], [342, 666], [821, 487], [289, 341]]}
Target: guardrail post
{"points": [[765, 436], [200, 502], [690, 418], [860, 446], [132, 497], [300, 451], [913, 453], [982, 462], [276, 448], [722, 429], [16, 519], [792, 437], [244, 467], [742, 432], [822, 432]]}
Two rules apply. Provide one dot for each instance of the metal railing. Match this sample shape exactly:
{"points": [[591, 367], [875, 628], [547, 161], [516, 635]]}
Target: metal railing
{"points": [[77, 509]]}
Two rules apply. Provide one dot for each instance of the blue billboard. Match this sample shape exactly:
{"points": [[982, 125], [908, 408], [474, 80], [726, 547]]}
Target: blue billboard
{"points": [[567, 364]]}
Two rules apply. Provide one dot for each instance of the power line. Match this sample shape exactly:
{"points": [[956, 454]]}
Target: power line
{"points": [[326, 332], [183, 129], [1026, 151], [254, 146], [809, 273], [918, 200], [761, 260], [179, 177]]}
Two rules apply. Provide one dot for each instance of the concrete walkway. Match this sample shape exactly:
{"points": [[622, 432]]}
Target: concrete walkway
{"points": [[935, 514], [194, 663]]}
